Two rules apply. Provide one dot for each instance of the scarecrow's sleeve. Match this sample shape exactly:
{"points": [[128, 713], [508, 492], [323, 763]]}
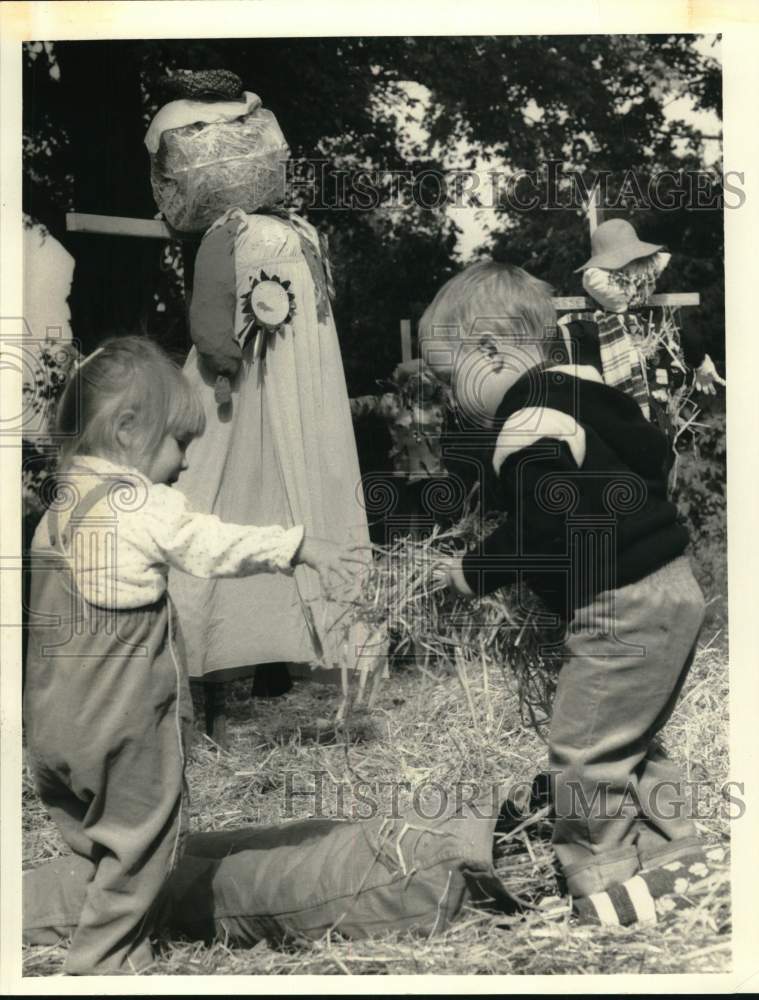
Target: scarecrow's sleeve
{"points": [[692, 344], [363, 406], [385, 406], [212, 309], [535, 525], [691, 341]]}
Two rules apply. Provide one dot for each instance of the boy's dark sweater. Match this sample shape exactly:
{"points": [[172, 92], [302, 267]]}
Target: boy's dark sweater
{"points": [[583, 530]]}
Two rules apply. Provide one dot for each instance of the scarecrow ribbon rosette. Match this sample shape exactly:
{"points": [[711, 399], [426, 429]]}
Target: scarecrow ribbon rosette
{"points": [[268, 306]]}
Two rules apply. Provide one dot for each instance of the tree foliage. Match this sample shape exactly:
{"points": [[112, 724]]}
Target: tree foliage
{"points": [[593, 103]]}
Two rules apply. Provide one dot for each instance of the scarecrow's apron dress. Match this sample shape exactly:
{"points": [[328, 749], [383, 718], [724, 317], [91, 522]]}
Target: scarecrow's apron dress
{"points": [[283, 452], [108, 715]]}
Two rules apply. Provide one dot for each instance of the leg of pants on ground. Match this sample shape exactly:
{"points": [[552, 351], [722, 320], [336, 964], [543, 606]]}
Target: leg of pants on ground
{"points": [[610, 701], [53, 896]]}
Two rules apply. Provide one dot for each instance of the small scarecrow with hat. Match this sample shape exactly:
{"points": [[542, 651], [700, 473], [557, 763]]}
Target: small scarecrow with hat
{"points": [[642, 358]]}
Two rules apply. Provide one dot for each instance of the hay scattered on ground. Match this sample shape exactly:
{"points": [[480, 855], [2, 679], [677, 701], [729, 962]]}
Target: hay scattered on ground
{"points": [[426, 727]]}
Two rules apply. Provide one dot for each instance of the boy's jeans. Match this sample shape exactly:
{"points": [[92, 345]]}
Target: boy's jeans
{"points": [[619, 801]]}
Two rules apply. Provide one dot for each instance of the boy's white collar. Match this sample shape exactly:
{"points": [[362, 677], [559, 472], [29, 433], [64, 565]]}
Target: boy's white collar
{"points": [[587, 372]]}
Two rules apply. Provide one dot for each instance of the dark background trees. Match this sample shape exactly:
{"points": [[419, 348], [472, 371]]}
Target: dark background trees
{"points": [[595, 103]]}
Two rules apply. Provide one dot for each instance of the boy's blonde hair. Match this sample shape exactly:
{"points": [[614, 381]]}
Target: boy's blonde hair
{"points": [[494, 297], [126, 373]]}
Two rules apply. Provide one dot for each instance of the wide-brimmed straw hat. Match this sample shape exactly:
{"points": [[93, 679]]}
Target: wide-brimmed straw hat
{"points": [[614, 244]]}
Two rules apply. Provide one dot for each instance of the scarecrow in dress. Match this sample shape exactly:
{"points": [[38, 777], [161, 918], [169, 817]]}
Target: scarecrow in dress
{"points": [[279, 446]]}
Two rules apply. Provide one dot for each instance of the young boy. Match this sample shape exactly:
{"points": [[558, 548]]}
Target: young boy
{"points": [[580, 472]]}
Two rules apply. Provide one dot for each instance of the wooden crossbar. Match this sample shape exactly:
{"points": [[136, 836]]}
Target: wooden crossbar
{"points": [[119, 225], [579, 302]]}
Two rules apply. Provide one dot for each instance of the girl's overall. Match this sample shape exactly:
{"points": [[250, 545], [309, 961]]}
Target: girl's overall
{"points": [[108, 715]]}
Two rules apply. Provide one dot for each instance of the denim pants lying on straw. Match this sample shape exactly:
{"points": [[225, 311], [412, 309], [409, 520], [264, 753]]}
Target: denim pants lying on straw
{"points": [[301, 880], [107, 714], [610, 702]]}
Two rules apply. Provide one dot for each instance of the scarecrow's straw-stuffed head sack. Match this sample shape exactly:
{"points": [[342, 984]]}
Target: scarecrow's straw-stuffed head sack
{"points": [[213, 148]]}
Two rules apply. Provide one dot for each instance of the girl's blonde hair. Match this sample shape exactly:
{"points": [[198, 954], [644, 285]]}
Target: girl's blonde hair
{"points": [[494, 297], [126, 374]]}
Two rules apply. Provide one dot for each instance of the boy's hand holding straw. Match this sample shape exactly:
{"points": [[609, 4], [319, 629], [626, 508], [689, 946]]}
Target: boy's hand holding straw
{"points": [[448, 573]]}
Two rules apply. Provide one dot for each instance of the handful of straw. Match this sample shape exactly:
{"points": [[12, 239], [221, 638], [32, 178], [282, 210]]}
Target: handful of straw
{"points": [[401, 601]]}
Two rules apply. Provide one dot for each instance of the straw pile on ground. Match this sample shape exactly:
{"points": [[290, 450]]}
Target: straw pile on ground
{"points": [[427, 728]]}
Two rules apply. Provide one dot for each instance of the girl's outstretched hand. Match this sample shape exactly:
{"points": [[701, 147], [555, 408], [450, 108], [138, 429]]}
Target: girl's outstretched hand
{"points": [[333, 562]]}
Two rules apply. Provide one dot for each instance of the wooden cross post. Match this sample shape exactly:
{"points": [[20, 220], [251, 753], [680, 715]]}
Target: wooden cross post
{"points": [[406, 352], [595, 210], [118, 225]]}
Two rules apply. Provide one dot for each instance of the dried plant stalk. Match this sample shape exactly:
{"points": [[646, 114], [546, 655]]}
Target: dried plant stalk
{"points": [[400, 598]]}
